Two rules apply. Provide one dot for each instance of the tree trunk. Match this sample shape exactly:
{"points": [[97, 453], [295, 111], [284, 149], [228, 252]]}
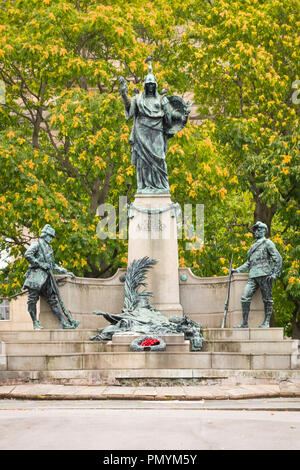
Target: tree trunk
{"points": [[296, 322], [264, 213], [272, 321]]}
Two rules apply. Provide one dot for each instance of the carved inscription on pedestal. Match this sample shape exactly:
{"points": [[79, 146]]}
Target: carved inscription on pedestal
{"points": [[152, 224]]}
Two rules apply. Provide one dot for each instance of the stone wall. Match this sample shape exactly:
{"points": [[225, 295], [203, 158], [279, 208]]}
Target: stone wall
{"points": [[19, 318], [202, 299]]}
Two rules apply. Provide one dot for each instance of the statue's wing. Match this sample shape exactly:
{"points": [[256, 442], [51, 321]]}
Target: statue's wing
{"points": [[179, 115]]}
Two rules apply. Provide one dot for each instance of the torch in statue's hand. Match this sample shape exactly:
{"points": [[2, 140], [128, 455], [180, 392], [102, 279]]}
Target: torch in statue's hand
{"points": [[123, 85]]}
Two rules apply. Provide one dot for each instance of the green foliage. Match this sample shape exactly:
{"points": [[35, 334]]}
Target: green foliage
{"points": [[245, 60], [64, 142]]}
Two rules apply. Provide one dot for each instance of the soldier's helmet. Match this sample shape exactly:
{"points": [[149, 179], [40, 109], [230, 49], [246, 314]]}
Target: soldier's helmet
{"points": [[259, 225], [48, 230], [150, 78]]}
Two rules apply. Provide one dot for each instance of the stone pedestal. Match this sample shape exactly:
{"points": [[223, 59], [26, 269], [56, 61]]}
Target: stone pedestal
{"points": [[174, 342], [153, 233]]}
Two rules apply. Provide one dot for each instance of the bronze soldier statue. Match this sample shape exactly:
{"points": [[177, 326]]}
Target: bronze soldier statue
{"points": [[264, 266], [39, 278]]}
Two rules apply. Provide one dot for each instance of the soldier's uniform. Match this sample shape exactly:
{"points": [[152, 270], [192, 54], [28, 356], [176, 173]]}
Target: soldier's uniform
{"points": [[263, 261], [38, 282]]}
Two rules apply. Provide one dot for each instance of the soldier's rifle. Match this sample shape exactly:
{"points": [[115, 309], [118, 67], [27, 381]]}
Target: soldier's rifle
{"points": [[227, 295], [67, 314], [55, 288], [24, 291]]}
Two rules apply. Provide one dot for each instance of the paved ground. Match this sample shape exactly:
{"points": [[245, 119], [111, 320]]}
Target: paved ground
{"points": [[133, 425], [65, 417], [208, 392], [250, 404]]}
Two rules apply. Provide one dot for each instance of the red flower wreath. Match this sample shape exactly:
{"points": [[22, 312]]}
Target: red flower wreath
{"points": [[150, 342]]}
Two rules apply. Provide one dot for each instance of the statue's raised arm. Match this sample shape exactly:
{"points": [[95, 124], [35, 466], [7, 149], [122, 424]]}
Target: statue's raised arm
{"points": [[124, 92]]}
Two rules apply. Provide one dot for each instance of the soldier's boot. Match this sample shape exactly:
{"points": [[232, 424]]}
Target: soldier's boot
{"points": [[37, 325], [63, 324], [245, 315], [75, 323], [66, 326], [32, 313], [57, 312], [268, 314]]}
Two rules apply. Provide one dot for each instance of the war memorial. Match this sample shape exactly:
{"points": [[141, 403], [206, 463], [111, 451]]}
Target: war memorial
{"points": [[154, 322]]}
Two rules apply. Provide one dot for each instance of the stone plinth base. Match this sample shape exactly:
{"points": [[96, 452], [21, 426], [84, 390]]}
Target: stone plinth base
{"points": [[68, 356], [153, 233]]}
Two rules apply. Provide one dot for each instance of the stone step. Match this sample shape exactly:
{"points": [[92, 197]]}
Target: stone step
{"points": [[170, 347], [149, 376], [243, 334], [148, 360], [47, 335], [13, 347], [249, 346], [268, 334], [127, 338], [38, 348]]}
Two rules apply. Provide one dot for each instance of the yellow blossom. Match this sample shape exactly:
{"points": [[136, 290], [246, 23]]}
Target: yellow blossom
{"points": [[286, 158], [223, 192], [129, 170], [124, 137], [278, 240], [40, 201], [207, 168], [189, 179], [120, 30]]}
